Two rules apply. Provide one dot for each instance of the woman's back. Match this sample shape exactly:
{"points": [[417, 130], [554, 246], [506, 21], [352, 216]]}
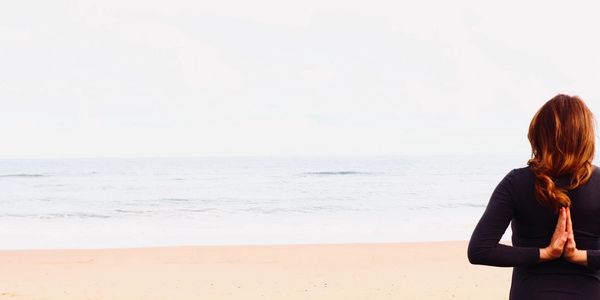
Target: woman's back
{"points": [[533, 226], [553, 206]]}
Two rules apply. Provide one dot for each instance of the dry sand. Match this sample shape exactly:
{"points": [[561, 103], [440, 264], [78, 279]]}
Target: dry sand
{"points": [[432, 270]]}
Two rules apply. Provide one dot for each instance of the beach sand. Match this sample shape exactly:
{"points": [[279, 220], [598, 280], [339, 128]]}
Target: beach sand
{"points": [[430, 270]]}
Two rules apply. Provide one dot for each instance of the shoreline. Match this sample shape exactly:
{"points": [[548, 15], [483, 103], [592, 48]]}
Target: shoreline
{"points": [[406, 270], [237, 245]]}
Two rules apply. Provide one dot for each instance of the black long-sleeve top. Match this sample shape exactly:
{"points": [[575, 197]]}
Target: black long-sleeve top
{"points": [[513, 201]]}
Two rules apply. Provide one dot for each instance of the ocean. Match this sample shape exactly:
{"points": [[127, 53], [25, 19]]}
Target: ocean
{"points": [[144, 202]]}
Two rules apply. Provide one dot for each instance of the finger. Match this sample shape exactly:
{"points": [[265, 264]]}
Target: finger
{"points": [[572, 243], [561, 238], [570, 230], [572, 239], [562, 219], [564, 238], [569, 223]]}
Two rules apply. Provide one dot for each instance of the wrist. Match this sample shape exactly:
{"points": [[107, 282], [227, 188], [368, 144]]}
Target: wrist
{"points": [[545, 255], [580, 257]]}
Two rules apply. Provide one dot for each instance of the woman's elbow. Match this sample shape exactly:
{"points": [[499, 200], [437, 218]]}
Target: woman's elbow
{"points": [[475, 255]]}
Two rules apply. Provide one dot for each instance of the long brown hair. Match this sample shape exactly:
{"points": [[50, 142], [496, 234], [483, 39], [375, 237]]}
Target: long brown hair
{"points": [[562, 138]]}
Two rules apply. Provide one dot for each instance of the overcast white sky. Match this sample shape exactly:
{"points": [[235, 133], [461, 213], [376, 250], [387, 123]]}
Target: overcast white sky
{"points": [[129, 77]]}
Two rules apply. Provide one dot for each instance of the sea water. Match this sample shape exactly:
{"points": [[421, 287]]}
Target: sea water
{"points": [[137, 202]]}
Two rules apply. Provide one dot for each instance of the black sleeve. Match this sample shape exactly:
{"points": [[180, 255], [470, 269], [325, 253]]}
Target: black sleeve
{"points": [[484, 247], [593, 259]]}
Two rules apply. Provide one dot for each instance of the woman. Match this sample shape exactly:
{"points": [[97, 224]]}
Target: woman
{"points": [[554, 206]]}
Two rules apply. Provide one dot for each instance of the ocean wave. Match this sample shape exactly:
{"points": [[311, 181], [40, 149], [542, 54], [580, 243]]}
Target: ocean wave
{"points": [[306, 209], [18, 215], [338, 173], [54, 215], [460, 204], [176, 199], [132, 211], [24, 175], [73, 215], [446, 205], [197, 209]]}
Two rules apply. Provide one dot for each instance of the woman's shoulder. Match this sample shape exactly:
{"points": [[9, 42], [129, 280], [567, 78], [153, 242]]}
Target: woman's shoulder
{"points": [[525, 172], [595, 173], [521, 171]]}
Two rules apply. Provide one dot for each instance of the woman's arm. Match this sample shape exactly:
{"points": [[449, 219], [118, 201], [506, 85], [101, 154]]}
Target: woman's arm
{"points": [[484, 247], [589, 258]]}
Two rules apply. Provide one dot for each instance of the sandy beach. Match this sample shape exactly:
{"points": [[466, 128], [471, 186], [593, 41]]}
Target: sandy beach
{"points": [[430, 270]]}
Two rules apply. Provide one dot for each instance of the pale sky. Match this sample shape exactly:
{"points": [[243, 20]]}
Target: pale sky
{"points": [[168, 78]]}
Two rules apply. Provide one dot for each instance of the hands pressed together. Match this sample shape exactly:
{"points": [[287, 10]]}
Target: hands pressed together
{"points": [[562, 243]]}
